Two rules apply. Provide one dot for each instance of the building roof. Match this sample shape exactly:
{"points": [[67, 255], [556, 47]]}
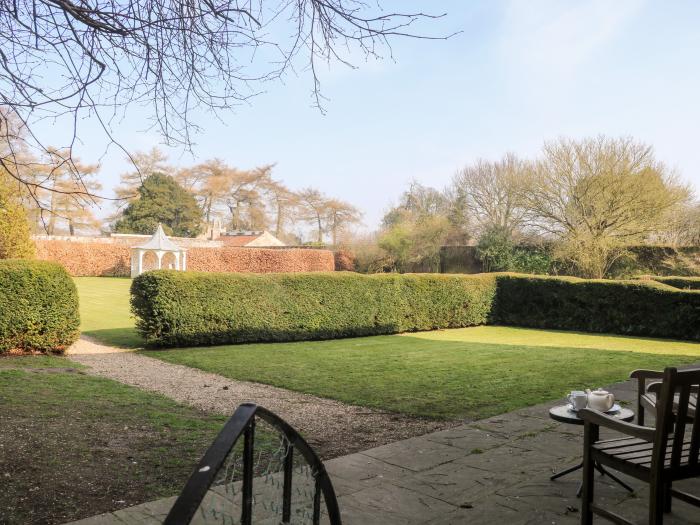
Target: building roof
{"points": [[237, 240], [160, 241], [257, 239]]}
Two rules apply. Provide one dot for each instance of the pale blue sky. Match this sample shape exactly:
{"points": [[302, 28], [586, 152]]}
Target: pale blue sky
{"points": [[522, 72]]}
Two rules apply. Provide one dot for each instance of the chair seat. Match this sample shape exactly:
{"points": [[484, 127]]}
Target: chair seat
{"points": [[638, 452]]}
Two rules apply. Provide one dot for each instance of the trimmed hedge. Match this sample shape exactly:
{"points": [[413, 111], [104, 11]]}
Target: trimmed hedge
{"points": [[189, 308], [621, 307], [38, 307], [684, 283]]}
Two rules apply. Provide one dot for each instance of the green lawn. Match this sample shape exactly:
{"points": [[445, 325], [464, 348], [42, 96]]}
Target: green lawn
{"points": [[104, 310], [465, 373], [75, 445]]}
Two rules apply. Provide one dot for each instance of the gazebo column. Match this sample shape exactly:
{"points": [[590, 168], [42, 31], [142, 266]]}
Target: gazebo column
{"points": [[177, 260], [160, 254], [139, 266], [184, 261]]}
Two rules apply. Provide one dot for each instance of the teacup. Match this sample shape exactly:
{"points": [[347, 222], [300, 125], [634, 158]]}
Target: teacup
{"points": [[578, 399]]}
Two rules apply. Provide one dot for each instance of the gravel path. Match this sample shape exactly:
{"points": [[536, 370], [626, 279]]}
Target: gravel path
{"points": [[331, 427]]}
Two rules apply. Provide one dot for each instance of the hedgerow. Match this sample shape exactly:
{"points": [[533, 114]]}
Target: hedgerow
{"points": [[646, 308], [684, 283], [179, 309], [189, 309], [38, 307]]}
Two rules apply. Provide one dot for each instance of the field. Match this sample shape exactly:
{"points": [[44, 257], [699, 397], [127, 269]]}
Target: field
{"points": [[467, 373], [104, 311]]}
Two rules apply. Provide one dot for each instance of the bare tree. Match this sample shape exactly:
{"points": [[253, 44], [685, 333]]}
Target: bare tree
{"points": [[681, 226], [210, 182], [314, 206], [245, 198], [66, 60], [64, 197], [599, 195], [283, 201], [491, 193], [340, 215], [145, 164]]}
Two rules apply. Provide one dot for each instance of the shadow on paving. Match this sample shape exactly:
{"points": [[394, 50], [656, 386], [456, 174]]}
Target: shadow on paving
{"points": [[495, 470]]}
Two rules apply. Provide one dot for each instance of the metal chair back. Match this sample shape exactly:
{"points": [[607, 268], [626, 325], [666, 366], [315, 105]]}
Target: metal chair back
{"points": [[272, 476]]}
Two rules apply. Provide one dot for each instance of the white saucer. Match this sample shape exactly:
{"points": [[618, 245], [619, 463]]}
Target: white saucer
{"points": [[615, 408]]}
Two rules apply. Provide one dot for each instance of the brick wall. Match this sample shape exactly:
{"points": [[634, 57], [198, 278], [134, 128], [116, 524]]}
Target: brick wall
{"points": [[102, 259]]}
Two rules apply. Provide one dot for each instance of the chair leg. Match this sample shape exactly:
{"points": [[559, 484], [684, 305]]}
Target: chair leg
{"points": [[657, 496], [587, 496], [589, 437], [668, 497]]}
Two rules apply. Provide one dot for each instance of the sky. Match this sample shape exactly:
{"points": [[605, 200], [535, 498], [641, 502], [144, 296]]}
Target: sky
{"points": [[519, 73]]}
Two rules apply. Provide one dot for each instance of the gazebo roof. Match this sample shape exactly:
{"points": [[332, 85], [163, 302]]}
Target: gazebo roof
{"points": [[160, 241]]}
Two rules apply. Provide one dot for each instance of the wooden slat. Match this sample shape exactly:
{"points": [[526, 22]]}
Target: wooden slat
{"points": [[617, 443], [695, 435], [679, 431]]}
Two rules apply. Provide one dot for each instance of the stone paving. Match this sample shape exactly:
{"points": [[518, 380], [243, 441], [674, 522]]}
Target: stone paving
{"points": [[491, 471]]}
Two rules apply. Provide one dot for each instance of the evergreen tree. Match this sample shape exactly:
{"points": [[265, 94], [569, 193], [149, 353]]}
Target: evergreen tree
{"points": [[15, 242], [162, 200]]}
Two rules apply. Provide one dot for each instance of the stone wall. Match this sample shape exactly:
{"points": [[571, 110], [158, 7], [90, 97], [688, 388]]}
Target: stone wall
{"points": [[110, 259]]}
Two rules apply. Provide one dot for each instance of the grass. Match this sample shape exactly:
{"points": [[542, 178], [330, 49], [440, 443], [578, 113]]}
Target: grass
{"points": [[104, 311], [466, 373], [75, 445]]}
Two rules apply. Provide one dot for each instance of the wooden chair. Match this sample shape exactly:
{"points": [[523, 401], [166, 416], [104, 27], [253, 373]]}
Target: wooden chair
{"points": [[648, 393], [658, 456]]}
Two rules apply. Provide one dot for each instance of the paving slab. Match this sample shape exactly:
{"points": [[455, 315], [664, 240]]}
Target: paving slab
{"points": [[494, 470]]}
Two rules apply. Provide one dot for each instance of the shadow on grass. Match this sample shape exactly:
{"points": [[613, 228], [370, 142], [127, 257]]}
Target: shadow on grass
{"points": [[126, 337], [423, 377]]}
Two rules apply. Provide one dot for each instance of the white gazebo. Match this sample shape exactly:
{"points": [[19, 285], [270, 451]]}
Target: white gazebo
{"points": [[160, 245]]}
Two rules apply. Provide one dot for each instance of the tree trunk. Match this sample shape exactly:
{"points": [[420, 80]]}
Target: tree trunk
{"points": [[278, 224], [320, 229]]}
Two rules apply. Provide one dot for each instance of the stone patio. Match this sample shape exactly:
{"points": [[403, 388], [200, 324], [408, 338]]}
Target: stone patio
{"points": [[492, 471]]}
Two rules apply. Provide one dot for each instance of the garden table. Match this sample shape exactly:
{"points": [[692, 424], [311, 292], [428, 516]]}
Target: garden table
{"points": [[564, 414]]}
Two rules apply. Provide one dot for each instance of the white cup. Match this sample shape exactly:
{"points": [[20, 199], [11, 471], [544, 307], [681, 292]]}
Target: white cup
{"points": [[578, 399]]}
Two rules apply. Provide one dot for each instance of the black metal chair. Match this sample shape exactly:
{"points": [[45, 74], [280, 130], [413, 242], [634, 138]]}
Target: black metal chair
{"points": [[262, 480], [658, 456]]}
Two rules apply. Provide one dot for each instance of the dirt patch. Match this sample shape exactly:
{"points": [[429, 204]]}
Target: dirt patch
{"points": [[73, 445], [331, 427]]}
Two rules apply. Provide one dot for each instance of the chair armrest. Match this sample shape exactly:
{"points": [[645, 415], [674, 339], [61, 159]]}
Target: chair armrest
{"points": [[599, 419], [646, 374], [655, 387]]}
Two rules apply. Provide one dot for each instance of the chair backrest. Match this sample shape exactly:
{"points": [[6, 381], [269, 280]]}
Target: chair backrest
{"points": [[672, 416], [272, 476]]}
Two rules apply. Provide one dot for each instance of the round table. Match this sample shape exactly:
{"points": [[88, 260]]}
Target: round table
{"points": [[564, 414]]}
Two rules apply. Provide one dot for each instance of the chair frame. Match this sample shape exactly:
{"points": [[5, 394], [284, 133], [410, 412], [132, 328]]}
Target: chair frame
{"points": [[663, 469], [242, 423]]}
